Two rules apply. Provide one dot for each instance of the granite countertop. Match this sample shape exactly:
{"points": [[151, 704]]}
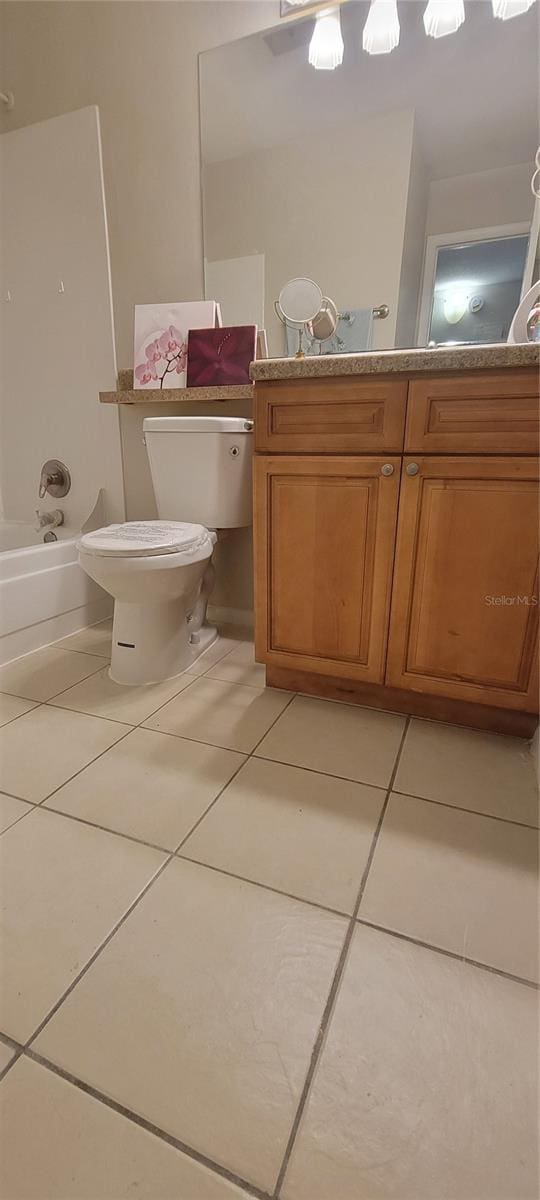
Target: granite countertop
{"points": [[440, 358]]}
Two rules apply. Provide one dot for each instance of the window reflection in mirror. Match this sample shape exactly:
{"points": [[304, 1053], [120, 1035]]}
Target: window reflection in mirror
{"points": [[476, 290]]}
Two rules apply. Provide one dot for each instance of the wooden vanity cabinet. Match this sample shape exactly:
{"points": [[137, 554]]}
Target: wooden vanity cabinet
{"points": [[408, 578]]}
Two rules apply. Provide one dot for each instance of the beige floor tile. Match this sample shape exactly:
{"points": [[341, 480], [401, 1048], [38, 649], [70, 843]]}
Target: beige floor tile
{"points": [[95, 639], [468, 884], [12, 707], [81, 1149], [302, 833], [215, 652], [64, 886], [101, 697], [7, 1053], [239, 666], [46, 747], [201, 1014], [471, 769], [11, 810], [426, 1088], [43, 674], [337, 739], [224, 714], [150, 785]]}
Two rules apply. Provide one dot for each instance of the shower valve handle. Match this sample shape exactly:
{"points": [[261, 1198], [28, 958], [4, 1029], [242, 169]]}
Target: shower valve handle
{"points": [[55, 479]]}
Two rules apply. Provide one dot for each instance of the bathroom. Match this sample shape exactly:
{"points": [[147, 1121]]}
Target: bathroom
{"points": [[269, 885]]}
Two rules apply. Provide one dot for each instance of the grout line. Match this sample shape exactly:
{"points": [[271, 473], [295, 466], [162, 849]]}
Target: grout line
{"points": [[143, 1123], [128, 837], [17, 1049], [328, 774], [84, 712], [462, 958], [40, 703], [210, 806], [97, 952], [129, 730], [334, 988], [76, 650], [474, 811], [266, 887], [34, 704]]}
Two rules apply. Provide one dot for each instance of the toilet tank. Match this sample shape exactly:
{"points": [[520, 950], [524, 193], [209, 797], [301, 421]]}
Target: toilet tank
{"points": [[201, 469]]}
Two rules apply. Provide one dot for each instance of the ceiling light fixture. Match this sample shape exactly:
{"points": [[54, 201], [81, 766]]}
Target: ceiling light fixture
{"points": [[504, 9], [381, 30], [326, 46], [443, 16]]}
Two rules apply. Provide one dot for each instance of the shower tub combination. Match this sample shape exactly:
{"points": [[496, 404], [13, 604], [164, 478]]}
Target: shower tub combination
{"points": [[44, 593]]}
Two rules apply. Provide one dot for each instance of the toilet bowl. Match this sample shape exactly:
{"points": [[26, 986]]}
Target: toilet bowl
{"points": [[155, 570], [160, 572]]}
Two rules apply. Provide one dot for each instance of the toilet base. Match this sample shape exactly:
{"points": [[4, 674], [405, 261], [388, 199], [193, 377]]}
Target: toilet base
{"points": [[152, 642]]}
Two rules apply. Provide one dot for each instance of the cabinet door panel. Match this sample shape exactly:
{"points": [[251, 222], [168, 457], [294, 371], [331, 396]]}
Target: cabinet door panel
{"points": [[324, 530], [465, 603]]}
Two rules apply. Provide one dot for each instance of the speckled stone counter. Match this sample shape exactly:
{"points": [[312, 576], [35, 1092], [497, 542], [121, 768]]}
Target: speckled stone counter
{"points": [[455, 358]]}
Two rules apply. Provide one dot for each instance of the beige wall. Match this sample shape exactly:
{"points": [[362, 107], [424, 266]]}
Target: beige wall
{"points": [[332, 209], [477, 201], [138, 63]]}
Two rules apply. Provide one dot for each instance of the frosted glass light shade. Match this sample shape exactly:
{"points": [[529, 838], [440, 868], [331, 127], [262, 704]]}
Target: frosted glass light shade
{"points": [[326, 46], [504, 9], [381, 30], [443, 16]]}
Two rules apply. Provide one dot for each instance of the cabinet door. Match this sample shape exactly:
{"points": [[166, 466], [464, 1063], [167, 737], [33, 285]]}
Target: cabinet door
{"points": [[324, 546], [464, 620]]}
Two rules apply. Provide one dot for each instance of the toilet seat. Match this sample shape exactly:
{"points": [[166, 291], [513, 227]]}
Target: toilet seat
{"points": [[143, 539]]}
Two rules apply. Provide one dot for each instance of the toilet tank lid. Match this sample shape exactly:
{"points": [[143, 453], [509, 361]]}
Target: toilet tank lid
{"points": [[197, 425]]}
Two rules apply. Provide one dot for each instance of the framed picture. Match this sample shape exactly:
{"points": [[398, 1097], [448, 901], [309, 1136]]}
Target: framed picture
{"points": [[161, 338], [220, 357]]}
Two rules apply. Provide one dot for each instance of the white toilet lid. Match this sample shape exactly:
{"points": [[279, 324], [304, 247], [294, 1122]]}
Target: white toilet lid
{"points": [[143, 538]]}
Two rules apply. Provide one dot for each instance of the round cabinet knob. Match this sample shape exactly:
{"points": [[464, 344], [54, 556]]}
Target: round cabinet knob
{"points": [[387, 469], [412, 469]]}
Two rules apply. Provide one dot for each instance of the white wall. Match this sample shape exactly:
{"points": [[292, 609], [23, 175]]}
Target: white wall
{"points": [[334, 211], [139, 63], [480, 200], [57, 345]]}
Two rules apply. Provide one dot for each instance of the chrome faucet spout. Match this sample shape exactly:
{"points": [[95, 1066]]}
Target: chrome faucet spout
{"points": [[48, 519]]}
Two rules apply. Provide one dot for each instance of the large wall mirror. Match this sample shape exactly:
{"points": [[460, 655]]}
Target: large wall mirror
{"points": [[399, 179]]}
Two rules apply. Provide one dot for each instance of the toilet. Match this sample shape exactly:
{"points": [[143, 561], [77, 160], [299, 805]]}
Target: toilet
{"points": [[160, 572]]}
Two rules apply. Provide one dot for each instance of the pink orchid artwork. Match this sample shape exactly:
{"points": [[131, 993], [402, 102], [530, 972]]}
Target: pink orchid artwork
{"points": [[220, 357], [165, 356], [161, 337]]}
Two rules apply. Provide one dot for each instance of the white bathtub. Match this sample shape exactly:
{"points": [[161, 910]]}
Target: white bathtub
{"points": [[44, 593], [15, 534]]}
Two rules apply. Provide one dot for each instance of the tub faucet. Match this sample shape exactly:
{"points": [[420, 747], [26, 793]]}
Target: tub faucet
{"points": [[52, 519]]}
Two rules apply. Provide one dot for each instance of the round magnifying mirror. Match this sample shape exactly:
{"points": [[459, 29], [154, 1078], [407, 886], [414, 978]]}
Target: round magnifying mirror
{"points": [[300, 300]]}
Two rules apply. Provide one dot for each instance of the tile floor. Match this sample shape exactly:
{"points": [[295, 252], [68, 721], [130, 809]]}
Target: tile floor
{"points": [[257, 944]]}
